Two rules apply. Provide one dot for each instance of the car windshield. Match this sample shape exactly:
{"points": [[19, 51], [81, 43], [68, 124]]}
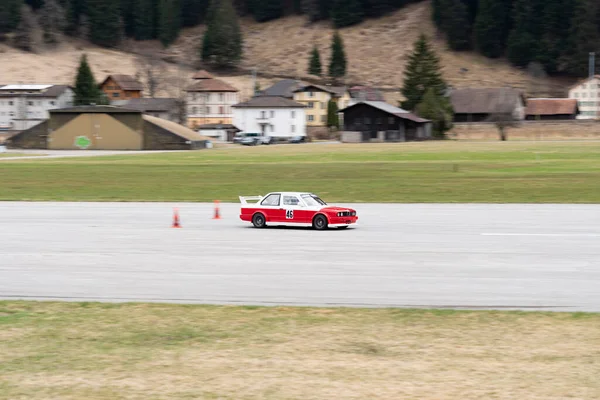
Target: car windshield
{"points": [[311, 200]]}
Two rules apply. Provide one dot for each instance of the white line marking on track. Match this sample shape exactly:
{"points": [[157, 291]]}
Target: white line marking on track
{"points": [[544, 234]]}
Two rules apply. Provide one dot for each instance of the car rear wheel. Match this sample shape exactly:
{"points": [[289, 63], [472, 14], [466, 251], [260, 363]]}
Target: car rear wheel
{"points": [[259, 221], [320, 222]]}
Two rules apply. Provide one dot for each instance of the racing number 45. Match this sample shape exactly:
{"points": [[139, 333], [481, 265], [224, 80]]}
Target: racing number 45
{"points": [[289, 214]]}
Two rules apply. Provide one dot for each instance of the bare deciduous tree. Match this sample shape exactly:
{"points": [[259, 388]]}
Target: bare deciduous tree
{"points": [[176, 86], [53, 21], [24, 34], [151, 71], [503, 121]]}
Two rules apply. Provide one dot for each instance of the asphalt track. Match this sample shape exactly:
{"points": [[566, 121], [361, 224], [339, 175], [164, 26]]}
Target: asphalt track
{"points": [[452, 255]]}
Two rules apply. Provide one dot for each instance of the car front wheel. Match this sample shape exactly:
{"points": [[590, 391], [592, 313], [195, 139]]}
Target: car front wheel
{"points": [[258, 220], [320, 222]]}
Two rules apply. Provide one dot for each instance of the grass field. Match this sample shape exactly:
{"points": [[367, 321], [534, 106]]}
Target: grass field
{"points": [[549, 172], [133, 351]]}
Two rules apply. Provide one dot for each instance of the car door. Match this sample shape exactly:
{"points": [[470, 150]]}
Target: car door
{"points": [[295, 211], [271, 207]]}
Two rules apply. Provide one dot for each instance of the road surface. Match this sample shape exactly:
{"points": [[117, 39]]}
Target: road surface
{"points": [[452, 255]]}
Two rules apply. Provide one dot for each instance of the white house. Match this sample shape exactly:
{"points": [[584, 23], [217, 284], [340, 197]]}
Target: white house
{"points": [[209, 101], [274, 116], [24, 106], [587, 94]]}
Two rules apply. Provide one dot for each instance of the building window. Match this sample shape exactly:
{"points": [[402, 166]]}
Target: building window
{"points": [[272, 114], [221, 110], [30, 103], [221, 97], [293, 114], [311, 104], [311, 94], [263, 114], [293, 128], [207, 109], [310, 118], [10, 103], [272, 128], [194, 110], [322, 105], [116, 95]]}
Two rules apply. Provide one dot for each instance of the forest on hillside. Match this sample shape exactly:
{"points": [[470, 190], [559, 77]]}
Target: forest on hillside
{"points": [[555, 35]]}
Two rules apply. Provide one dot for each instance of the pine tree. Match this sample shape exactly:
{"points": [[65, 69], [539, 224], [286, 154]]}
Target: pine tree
{"points": [[554, 44], [584, 37], [337, 63], [317, 9], [86, 90], [267, 10], [422, 72], [106, 23], [346, 13], [438, 13], [169, 21], [23, 34], [491, 27], [53, 20], [333, 120], [144, 25], [456, 25], [193, 11], [222, 42], [314, 66], [10, 15], [76, 9], [439, 110]]}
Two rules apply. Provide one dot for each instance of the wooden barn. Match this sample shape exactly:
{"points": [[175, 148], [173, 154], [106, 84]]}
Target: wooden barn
{"points": [[377, 121]]}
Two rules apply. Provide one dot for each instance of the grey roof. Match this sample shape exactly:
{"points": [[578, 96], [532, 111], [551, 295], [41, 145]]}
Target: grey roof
{"points": [[485, 100], [218, 126], [283, 88], [365, 93], [95, 110], [176, 129], [52, 92], [390, 109], [269, 102], [336, 90], [148, 104]]}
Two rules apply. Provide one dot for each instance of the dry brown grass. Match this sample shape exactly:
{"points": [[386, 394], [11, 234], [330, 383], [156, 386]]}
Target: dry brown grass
{"points": [[93, 351], [377, 52]]}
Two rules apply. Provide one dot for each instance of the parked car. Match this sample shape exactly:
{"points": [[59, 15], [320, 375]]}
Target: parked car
{"points": [[267, 140], [296, 209], [298, 139], [250, 141]]}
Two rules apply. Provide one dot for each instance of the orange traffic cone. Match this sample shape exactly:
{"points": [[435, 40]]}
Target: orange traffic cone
{"points": [[176, 219], [217, 214]]}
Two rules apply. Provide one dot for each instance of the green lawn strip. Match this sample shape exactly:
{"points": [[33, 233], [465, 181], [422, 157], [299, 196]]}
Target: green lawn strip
{"points": [[70, 350], [430, 172]]}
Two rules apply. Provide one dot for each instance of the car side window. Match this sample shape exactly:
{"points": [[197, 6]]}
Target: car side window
{"points": [[290, 201], [271, 200]]}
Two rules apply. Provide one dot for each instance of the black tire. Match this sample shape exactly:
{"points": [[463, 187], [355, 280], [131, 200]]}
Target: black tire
{"points": [[320, 222], [259, 221]]}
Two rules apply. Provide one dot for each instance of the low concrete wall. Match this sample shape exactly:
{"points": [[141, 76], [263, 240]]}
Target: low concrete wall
{"points": [[530, 130], [351, 137]]}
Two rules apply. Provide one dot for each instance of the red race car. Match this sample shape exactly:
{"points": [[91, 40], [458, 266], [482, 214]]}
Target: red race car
{"points": [[295, 209]]}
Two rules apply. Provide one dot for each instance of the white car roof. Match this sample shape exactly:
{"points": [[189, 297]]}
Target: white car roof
{"points": [[292, 193]]}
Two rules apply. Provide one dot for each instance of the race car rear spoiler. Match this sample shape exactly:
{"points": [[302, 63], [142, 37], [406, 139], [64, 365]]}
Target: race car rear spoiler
{"points": [[245, 199]]}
